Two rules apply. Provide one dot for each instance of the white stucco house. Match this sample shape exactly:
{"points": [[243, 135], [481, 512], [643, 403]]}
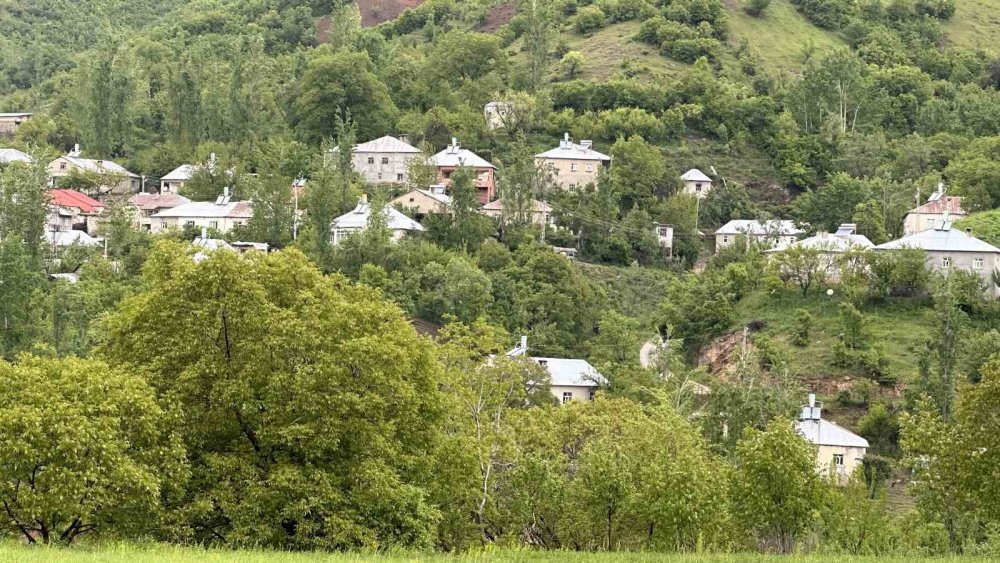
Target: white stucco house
{"points": [[938, 208], [696, 183], [569, 379], [769, 234], [831, 246], [837, 448], [573, 165], [357, 220], [385, 160], [119, 181], [174, 181], [222, 215]]}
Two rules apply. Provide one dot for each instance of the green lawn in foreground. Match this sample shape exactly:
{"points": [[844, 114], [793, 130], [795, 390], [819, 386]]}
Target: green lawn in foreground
{"points": [[170, 554]]}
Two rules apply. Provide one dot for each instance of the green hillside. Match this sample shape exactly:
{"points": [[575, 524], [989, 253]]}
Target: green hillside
{"points": [[780, 36]]}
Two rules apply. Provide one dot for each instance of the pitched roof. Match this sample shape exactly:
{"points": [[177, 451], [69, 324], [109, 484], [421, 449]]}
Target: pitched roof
{"points": [[149, 202], [182, 173], [69, 238], [386, 144], [536, 206], [948, 204], [454, 156], [759, 228], [942, 238], [13, 155], [695, 175], [568, 150], [571, 373], [15, 114], [209, 209], [441, 198], [825, 433], [827, 242], [358, 219], [99, 166], [71, 198]]}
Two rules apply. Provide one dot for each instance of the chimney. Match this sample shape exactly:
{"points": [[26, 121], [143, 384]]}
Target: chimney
{"points": [[225, 192], [454, 146], [405, 139], [204, 233], [363, 200], [565, 141], [524, 343], [968, 231], [812, 411], [587, 144], [76, 150]]}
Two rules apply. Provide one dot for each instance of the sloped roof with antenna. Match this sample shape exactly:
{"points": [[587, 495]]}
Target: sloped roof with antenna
{"points": [[454, 156]]}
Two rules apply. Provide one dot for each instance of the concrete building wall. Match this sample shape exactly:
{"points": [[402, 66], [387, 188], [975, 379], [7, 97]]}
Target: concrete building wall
{"points": [[981, 263], [569, 173], [9, 125], [221, 224], [916, 222], [768, 241], [565, 394], [174, 187], [851, 459], [383, 168], [697, 189]]}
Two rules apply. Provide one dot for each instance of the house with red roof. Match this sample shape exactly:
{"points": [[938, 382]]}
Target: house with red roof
{"points": [[70, 210], [939, 207]]}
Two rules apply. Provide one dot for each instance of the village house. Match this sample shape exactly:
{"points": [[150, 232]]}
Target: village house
{"points": [[385, 160], [357, 220], [117, 180], [147, 205], [696, 183], [768, 234], [831, 246], [569, 380], [932, 213], [421, 203], [949, 249], [837, 448], [574, 165], [665, 236], [73, 211], [174, 181], [10, 122], [8, 156], [454, 157], [222, 215], [541, 212], [497, 114]]}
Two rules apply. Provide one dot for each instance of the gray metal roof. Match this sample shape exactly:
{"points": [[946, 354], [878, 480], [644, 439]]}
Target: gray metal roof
{"points": [[826, 242], [571, 373], [825, 433], [454, 156], [99, 166], [942, 238], [536, 206], [386, 144], [695, 175], [209, 209], [358, 218], [13, 155], [568, 150], [182, 173], [69, 238], [759, 228]]}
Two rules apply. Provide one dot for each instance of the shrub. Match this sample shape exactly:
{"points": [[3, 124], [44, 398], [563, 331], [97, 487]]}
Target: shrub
{"points": [[756, 7], [589, 20]]}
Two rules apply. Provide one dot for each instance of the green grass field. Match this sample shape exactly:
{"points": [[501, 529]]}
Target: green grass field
{"points": [[779, 36], [170, 554], [975, 25]]}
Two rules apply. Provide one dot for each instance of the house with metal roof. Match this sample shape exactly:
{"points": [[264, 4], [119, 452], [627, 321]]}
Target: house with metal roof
{"points": [[454, 157], [10, 122], [927, 216], [174, 181], [830, 247], [357, 220], [147, 205], [73, 211], [223, 215], [116, 180], [421, 203], [8, 156], [385, 160], [948, 249], [574, 165], [569, 379], [837, 448], [696, 183], [769, 234]]}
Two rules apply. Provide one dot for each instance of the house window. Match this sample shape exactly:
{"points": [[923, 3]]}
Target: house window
{"points": [[593, 394], [567, 397], [379, 175], [188, 223], [662, 231], [411, 200], [977, 264], [697, 187], [590, 167], [213, 225], [930, 223], [385, 160], [62, 166], [371, 160], [399, 177], [946, 262], [573, 166], [838, 460], [725, 240]]}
